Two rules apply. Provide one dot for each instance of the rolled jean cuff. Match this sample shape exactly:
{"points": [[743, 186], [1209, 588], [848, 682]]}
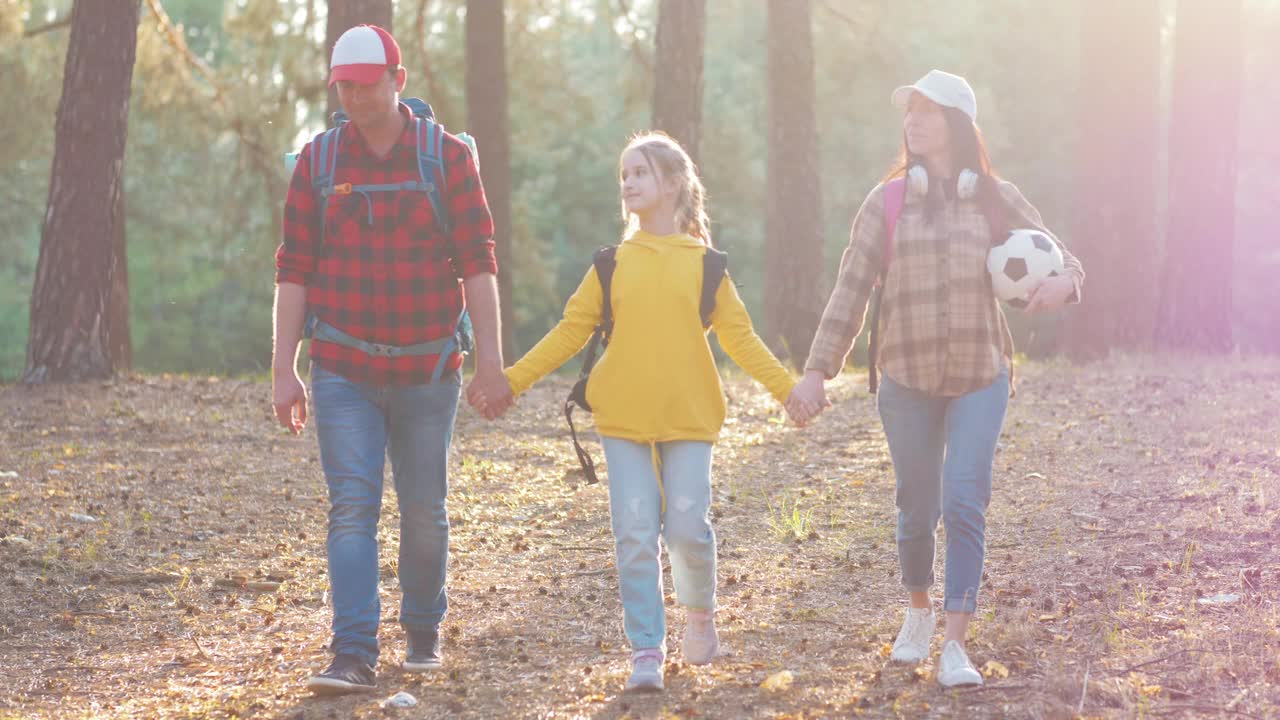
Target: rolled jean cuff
{"points": [[917, 588], [967, 604]]}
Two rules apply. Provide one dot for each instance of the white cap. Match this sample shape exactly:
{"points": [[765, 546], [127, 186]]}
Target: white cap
{"points": [[362, 55], [943, 88]]}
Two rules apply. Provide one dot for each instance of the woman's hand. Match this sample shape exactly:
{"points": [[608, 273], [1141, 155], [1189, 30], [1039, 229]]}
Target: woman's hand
{"points": [[808, 399], [1051, 294]]}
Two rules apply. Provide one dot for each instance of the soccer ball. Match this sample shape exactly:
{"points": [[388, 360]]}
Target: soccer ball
{"points": [[1024, 260]]}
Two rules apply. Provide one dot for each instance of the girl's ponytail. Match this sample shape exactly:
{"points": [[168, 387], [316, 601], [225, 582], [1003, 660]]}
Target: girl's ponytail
{"points": [[693, 212]]}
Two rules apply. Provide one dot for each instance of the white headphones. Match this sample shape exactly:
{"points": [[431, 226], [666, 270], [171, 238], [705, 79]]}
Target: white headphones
{"points": [[918, 182]]}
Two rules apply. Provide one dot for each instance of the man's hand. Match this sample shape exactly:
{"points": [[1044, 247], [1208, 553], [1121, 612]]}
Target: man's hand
{"points": [[289, 398], [489, 392]]}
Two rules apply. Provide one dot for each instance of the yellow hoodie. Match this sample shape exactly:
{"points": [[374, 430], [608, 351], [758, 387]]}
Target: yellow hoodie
{"points": [[657, 381]]}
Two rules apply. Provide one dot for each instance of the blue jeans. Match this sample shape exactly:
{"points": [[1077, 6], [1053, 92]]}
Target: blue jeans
{"points": [[358, 426], [635, 506], [943, 449]]}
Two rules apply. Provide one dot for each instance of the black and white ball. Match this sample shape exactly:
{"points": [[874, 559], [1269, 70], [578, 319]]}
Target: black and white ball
{"points": [[1024, 260]]}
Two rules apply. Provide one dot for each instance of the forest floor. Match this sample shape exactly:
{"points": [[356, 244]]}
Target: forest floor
{"points": [[162, 556]]}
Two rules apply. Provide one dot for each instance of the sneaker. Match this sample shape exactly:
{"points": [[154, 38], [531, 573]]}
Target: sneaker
{"points": [[646, 670], [701, 644], [912, 645], [423, 653], [954, 667], [346, 674]]}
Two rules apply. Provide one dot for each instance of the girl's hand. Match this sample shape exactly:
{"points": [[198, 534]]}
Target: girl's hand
{"points": [[808, 399], [489, 393], [1051, 294]]}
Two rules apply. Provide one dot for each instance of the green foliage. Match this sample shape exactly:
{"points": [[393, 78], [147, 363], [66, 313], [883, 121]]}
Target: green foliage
{"points": [[204, 183]]}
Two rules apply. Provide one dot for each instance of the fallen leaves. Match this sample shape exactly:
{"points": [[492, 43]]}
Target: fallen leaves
{"points": [[995, 670], [778, 681], [532, 638]]}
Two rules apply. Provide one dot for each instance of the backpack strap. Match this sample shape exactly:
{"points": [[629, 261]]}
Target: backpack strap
{"points": [[714, 266], [430, 146], [895, 196], [323, 160], [605, 261]]}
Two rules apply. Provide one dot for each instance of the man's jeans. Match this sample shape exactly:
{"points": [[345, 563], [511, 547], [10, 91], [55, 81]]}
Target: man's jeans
{"points": [[358, 426], [943, 449], [638, 519]]}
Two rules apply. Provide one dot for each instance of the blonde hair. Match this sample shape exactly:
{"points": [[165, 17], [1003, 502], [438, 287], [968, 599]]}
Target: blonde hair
{"points": [[668, 160]]}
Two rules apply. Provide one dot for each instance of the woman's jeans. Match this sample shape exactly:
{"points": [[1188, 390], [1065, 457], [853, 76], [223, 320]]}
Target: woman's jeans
{"points": [[635, 505], [358, 426], [943, 449]]}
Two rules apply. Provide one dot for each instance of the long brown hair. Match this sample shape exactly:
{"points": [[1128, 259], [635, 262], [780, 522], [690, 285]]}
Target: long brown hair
{"points": [[668, 159], [968, 151]]}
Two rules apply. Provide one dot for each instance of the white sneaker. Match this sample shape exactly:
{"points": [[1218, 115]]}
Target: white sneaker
{"points": [[954, 667], [646, 670], [912, 645], [701, 643]]}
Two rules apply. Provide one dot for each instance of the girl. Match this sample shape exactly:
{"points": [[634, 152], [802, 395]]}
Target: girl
{"points": [[947, 354], [657, 398]]}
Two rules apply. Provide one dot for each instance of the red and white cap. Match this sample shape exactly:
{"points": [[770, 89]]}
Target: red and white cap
{"points": [[362, 55]]}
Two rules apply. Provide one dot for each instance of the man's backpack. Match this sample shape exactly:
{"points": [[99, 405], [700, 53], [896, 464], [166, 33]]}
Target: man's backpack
{"points": [[714, 266], [895, 197], [431, 170], [432, 179]]}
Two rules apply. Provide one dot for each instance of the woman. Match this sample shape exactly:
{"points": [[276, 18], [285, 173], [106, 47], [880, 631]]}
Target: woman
{"points": [[946, 356]]}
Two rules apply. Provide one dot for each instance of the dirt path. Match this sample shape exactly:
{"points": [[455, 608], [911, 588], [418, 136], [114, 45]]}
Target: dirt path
{"points": [[162, 555]]}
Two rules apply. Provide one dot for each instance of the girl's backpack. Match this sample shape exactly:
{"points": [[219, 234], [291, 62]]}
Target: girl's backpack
{"points": [[714, 266]]}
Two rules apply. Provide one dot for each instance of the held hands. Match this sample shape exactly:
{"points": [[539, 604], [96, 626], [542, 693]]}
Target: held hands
{"points": [[1050, 295], [489, 392], [289, 399], [808, 399]]}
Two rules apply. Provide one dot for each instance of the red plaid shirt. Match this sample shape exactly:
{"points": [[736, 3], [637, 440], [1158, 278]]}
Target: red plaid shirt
{"points": [[397, 281]]}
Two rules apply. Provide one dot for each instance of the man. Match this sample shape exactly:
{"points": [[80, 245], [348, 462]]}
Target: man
{"points": [[381, 283]]}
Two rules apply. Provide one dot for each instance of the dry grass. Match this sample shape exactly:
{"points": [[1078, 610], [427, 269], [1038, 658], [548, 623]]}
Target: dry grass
{"points": [[1126, 492]]}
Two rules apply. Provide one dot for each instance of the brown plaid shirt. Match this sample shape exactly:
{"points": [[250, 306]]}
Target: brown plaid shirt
{"points": [[943, 331]]}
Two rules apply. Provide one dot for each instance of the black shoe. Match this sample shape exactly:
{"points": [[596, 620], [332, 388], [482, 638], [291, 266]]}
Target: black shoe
{"points": [[424, 650], [346, 674]]}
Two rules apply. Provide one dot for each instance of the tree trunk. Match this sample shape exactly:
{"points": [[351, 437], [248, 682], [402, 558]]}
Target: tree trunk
{"points": [[677, 87], [793, 226], [487, 121], [71, 331], [344, 15], [1195, 308], [1116, 237]]}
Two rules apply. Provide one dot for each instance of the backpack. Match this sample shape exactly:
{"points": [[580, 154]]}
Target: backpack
{"points": [[323, 159], [895, 197], [431, 170], [714, 266]]}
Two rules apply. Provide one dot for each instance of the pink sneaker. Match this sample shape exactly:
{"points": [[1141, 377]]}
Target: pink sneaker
{"points": [[646, 670], [701, 643]]}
